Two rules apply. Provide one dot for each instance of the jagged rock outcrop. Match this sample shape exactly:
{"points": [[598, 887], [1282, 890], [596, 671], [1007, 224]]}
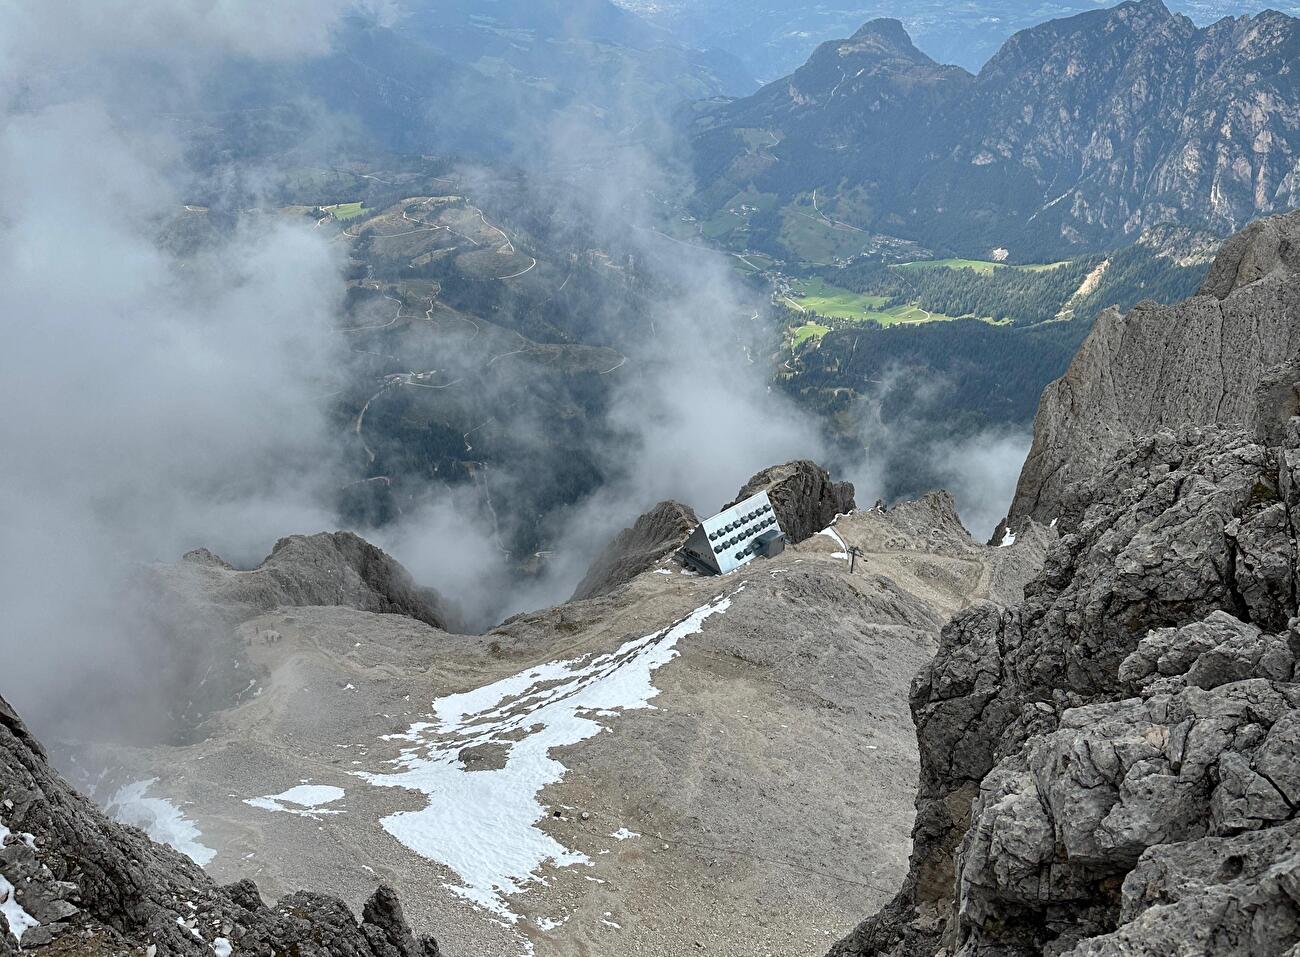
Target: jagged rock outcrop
{"points": [[183, 661], [1266, 248], [804, 496], [1112, 766], [1225, 357], [81, 884], [659, 532], [328, 568]]}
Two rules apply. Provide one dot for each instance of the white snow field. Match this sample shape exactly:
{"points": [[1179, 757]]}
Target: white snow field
{"points": [[483, 823]]}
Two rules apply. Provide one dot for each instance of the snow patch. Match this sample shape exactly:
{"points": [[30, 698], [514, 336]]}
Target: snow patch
{"points": [[28, 839], [483, 824], [308, 799], [221, 947], [1008, 538], [623, 834], [831, 533], [19, 920], [162, 820]]}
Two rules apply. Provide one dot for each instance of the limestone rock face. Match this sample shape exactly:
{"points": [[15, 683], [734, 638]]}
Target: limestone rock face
{"points": [[328, 568], [659, 532], [804, 496], [1112, 765], [1266, 248], [92, 886], [1225, 357]]}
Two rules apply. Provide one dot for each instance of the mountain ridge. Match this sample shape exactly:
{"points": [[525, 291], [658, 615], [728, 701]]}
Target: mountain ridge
{"points": [[1202, 362], [1077, 133]]}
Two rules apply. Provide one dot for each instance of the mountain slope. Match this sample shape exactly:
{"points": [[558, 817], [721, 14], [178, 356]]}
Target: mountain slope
{"points": [[774, 36], [1216, 359], [1109, 766], [428, 79], [1077, 133], [636, 772], [74, 881]]}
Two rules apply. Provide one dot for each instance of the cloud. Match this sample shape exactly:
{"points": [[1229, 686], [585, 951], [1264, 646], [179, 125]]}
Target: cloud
{"points": [[78, 34], [152, 402], [157, 402], [907, 447]]}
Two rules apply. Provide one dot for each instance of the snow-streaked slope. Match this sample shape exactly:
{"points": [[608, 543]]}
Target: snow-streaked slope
{"points": [[17, 919], [483, 823]]}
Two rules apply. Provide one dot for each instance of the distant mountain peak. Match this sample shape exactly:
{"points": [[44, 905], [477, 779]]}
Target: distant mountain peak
{"points": [[1145, 11], [886, 28], [1080, 132], [1149, 6], [889, 34]]}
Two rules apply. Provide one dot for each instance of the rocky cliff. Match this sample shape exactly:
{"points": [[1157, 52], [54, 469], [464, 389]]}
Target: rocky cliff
{"points": [[329, 568], [1111, 765], [657, 533], [805, 497], [1225, 357], [803, 493], [74, 882]]}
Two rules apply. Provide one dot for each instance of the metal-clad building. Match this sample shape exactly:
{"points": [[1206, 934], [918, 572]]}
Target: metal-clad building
{"points": [[734, 536]]}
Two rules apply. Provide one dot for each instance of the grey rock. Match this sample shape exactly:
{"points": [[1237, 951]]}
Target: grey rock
{"points": [[657, 533], [804, 496], [329, 568], [133, 894], [192, 664], [1140, 698], [1267, 247], [1210, 361], [1233, 897], [1209, 653], [1112, 766]]}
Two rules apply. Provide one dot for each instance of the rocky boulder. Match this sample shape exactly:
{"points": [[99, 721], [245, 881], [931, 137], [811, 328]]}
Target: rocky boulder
{"points": [[804, 496], [657, 533], [75, 882]]}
